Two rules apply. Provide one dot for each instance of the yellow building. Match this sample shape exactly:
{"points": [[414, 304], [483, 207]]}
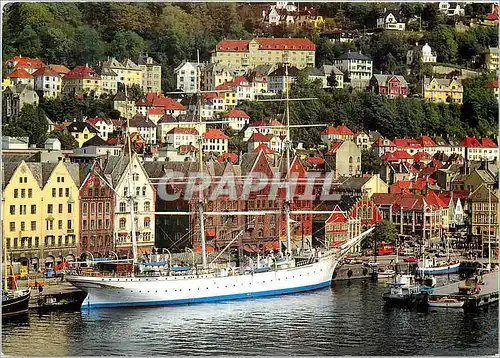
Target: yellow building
{"points": [[491, 58], [443, 90], [484, 217], [80, 81], [81, 131], [30, 191], [128, 72], [242, 55], [310, 21]]}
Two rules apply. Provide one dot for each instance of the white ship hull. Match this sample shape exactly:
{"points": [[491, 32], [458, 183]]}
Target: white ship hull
{"points": [[170, 290], [450, 304]]}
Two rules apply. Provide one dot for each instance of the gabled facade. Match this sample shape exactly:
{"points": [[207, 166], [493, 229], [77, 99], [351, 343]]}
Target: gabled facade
{"points": [[14, 99], [340, 133], [237, 119], [81, 131], [214, 140], [187, 76], [21, 77], [344, 159], [357, 67], [26, 63], [104, 126], [48, 81], [82, 80], [144, 203], [389, 85], [391, 20], [425, 53], [484, 217], [443, 90], [97, 206]]}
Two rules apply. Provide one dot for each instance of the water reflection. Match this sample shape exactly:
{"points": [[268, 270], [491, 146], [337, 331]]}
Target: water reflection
{"points": [[343, 320]]}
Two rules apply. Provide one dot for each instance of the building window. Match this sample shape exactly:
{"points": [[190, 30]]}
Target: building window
{"points": [[23, 193], [49, 225], [30, 193], [49, 208], [53, 192], [92, 224], [15, 193], [60, 208], [23, 226], [107, 208], [59, 224], [123, 207], [70, 208], [85, 224], [147, 206], [136, 206], [99, 224], [107, 223], [33, 225], [12, 210], [103, 192], [123, 221], [60, 192], [143, 191], [70, 224], [67, 192], [99, 207], [59, 240], [92, 208]]}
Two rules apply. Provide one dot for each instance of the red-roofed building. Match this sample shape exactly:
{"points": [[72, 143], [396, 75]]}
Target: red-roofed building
{"points": [[242, 55], [331, 134], [423, 157], [21, 77], [157, 100], [494, 86], [179, 136], [411, 145], [26, 63], [214, 140], [344, 159], [103, 125], [237, 119], [154, 114], [48, 81], [82, 80], [228, 157], [269, 128], [413, 214], [382, 146], [398, 156], [264, 148], [480, 150], [256, 139]]}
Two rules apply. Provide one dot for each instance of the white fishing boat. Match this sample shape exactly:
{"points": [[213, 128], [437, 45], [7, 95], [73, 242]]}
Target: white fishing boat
{"points": [[385, 273], [445, 302], [403, 290], [311, 270]]}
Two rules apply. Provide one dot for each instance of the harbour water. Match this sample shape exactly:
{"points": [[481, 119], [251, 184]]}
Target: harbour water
{"points": [[346, 319]]}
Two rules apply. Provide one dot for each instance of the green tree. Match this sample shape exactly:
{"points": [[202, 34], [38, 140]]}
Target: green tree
{"points": [[127, 44], [29, 42], [33, 121], [370, 162], [89, 48], [384, 231], [66, 139]]}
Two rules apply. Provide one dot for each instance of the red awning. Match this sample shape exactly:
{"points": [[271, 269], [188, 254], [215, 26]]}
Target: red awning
{"points": [[247, 248], [147, 219], [208, 248], [210, 232], [276, 245], [122, 233]]}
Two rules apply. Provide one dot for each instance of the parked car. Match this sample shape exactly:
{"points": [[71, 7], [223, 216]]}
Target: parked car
{"points": [[370, 263], [440, 254], [407, 253], [410, 259]]}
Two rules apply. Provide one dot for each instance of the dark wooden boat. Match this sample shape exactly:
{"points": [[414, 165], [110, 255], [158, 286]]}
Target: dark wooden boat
{"points": [[15, 302]]}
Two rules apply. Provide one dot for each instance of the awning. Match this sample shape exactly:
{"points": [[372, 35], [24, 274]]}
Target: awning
{"points": [[122, 233], [147, 219], [210, 232], [208, 248], [247, 248]]}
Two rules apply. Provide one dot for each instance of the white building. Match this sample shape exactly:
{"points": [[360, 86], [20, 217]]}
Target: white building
{"points": [[144, 127], [358, 67], [181, 136], [103, 125], [237, 119], [151, 74], [391, 20], [144, 202], [452, 8], [279, 81], [48, 81], [362, 140], [109, 80], [21, 77], [187, 76], [427, 55], [15, 142], [332, 72], [214, 140]]}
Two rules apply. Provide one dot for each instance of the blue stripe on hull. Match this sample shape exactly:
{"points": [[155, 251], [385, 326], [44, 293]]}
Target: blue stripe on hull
{"points": [[208, 299]]}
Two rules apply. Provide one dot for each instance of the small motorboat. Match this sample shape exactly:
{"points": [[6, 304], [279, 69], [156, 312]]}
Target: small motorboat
{"points": [[445, 302], [385, 273], [403, 291]]}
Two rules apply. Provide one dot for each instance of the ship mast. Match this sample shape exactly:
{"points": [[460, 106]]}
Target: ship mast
{"points": [[287, 148], [200, 159], [131, 192]]}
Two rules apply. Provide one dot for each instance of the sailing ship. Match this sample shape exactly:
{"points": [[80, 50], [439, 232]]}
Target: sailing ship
{"points": [[290, 274]]}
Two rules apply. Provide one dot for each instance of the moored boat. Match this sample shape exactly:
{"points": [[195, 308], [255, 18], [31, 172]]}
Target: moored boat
{"points": [[15, 302], [403, 291], [446, 268], [445, 302]]}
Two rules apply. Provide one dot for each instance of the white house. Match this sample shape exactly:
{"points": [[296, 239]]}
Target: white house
{"points": [[48, 81], [21, 77], [168, 122], [358, 67], [332, 72], [279, 81], [143, 195], [144, 127], [181, 136], [256, 140], [391, 20], [103, 125], [362, 140], [214, 140], [452, 8], [237, 119], [187, 76], [109, 80]]}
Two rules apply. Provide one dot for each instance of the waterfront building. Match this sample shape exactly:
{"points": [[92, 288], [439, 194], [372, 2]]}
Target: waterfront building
{"points": [[117, 168], [484, 216], [151, 73], [242, 55], [97, 208], [41, 212]]}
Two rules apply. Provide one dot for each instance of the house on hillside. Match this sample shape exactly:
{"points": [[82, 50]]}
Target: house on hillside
{"points": [[389, 85], [357, 67], [391, 20]]}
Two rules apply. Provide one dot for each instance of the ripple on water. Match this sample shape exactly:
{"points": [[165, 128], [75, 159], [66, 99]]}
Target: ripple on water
{"points": [[343, 320]]}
